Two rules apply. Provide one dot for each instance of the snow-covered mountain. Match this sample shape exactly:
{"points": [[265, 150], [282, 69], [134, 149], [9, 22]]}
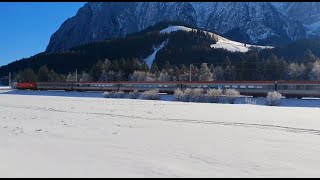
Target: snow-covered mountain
{"points": [[308, 13], [221, 42], [261, 22]]}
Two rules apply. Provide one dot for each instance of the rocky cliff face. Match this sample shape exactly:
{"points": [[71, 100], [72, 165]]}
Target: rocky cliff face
{"points": [[261, 22], [308, 13]]}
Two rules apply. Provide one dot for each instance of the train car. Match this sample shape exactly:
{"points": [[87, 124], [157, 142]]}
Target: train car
{"points": [[252, 88], [65, 86], [27, 86], [289, 89], [299, 89], [96, 86], [164, 87]]}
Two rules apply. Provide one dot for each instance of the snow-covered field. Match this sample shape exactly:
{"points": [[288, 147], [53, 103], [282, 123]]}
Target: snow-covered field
{"points": [[4, 87], [58, 134]]}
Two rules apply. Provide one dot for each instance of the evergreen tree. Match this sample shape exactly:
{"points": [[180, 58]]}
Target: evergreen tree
{"points": [[315, 72], [54, 77], [194, 73], [71, 77], [135, 64], [139, 76], [27, 75], [228, 72], [154, 68], [96, 70], [44, 74], [144, 67], [107, 65], [175, 73], [205, 73], [226, 62], [164, 76], [167, 65], [85, 77], [309, 56], [116, 66], [217, 73], [251, 67]]}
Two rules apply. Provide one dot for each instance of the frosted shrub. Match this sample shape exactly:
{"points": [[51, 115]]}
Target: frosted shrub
{"points": [[273, 98], [250, 101], [119, 94], [197, 95], [114, 94], [151, 94], [134, 95], [178, 94], [213, 95], [106, 94], [231, 95], [186, 95]]}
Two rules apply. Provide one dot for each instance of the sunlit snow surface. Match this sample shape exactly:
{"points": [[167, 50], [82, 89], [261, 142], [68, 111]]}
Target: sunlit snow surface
{"points": [[70, 134], [4, 87]]}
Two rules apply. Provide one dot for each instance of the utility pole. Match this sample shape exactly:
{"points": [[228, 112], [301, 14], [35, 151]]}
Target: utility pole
{"points": [[76, 75], [10, 80], [190, 73]]}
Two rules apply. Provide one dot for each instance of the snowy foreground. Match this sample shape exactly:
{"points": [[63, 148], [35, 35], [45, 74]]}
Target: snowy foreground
{"points": [[56, 136], [4, 87]]}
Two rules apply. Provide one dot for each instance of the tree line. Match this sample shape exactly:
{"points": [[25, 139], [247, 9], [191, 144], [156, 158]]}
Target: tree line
{"points": [[250, 68], [126, 59]]}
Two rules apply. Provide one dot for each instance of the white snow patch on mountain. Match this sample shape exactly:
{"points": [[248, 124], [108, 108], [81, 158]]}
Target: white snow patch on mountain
{"points": [[222, 42], [313, 28], [234, 46], [149, 60], [175, 28]]}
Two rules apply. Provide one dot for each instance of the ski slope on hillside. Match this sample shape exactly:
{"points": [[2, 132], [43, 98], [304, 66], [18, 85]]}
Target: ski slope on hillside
{"points": [[52, 136], [222, 42], [149, 60]]}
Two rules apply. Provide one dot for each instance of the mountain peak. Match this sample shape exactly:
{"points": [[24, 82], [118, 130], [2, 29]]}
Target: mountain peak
{"points": [[96, 21]]}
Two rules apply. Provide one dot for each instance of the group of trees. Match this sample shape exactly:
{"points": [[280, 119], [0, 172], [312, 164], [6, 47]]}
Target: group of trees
{"points": [[274, 68], [249, 68], [43, 75], [122, 60]]}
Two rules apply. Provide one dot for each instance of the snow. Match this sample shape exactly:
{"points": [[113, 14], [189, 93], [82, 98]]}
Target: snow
{"points": [[232, 47], [313, 28], [222, 42], [4, 87], [62, 136], [149, 60], [175, 28], [277, 5]]}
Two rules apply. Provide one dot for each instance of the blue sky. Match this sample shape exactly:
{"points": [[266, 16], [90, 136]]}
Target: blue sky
{"points": [[26, 28]]}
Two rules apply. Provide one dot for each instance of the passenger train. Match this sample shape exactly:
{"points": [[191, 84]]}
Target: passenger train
{"points": [[289, 89]]}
